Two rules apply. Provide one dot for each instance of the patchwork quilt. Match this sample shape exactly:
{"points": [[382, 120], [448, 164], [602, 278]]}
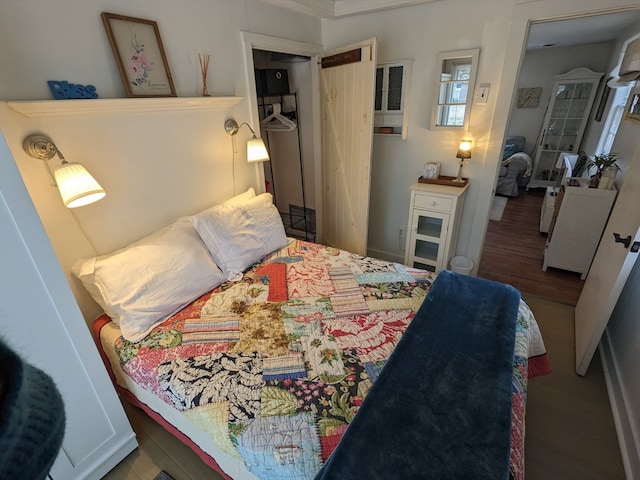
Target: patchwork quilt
{"points": [[265, 374]]}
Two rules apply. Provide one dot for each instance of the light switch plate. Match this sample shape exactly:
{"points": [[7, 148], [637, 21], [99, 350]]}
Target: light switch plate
{"points": [[482, 93]]}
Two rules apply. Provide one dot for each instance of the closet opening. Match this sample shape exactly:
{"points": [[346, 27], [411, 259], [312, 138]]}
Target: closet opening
{"points": [[284, 109]]}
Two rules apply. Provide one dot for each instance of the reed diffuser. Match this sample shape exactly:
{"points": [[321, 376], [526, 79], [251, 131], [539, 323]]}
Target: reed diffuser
{"points": [[203, 58]]}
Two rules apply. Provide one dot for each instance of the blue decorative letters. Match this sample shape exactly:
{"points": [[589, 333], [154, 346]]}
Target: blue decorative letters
{"points": [[64, 90]]}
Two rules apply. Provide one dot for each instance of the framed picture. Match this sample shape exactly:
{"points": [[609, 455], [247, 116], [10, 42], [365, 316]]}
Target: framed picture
{"points": [[528, 97], [633, 112], [431, 170], [139, 55]]}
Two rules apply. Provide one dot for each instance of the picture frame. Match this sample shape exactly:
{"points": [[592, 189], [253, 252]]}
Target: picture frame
{"points": [[528, 97], [139, 55], [431, 170], [633, 110]]}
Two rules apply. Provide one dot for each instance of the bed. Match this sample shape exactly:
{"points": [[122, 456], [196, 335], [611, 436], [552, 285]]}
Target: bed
{"points": [[263, 372]]}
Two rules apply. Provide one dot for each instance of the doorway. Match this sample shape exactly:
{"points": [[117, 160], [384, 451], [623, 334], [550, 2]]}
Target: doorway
{"points": [[301, 189], [578, 42], [284, 103]]}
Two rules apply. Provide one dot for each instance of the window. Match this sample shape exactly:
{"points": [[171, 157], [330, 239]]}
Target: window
{"points": [[613, 119], [456, 78]]}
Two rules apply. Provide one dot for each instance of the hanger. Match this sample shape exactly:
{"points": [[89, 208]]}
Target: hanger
{"points": [[277, 121]]}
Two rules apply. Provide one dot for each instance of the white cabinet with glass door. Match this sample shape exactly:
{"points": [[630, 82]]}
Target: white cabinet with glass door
{"points": [[564, 123], [392, 98], [434, 220]]}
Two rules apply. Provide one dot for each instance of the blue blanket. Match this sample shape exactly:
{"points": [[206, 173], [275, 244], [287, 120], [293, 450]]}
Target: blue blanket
{"points": [[455, 362]]}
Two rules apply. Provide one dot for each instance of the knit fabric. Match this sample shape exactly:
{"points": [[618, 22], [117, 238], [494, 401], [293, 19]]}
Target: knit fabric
{"points": [[32, 419]]}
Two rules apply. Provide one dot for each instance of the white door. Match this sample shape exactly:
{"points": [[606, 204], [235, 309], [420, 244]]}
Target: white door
{"points": [[347, 83], [610, 268], [41, 321]]}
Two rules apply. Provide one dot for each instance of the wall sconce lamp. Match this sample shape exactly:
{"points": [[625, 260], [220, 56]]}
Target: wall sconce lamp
{"points": [[464, 151], [256, 149], [76, 185]]}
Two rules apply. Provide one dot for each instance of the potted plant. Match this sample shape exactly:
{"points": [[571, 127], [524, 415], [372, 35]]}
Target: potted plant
{"points": [[605, 165]]}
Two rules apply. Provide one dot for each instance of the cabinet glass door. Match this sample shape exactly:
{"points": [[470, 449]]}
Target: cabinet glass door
{"points": [[564, 124], [430, 232], [394, 88]]}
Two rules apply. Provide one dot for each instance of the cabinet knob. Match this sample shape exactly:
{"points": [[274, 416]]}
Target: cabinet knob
{"points": [[433, 203]]}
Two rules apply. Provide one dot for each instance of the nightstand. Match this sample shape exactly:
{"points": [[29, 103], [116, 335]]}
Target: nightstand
{"points": [[434, 220]]}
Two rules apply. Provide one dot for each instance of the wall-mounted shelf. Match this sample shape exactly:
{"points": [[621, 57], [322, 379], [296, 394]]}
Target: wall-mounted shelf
{"points": [[391, 102], [84, 107]]}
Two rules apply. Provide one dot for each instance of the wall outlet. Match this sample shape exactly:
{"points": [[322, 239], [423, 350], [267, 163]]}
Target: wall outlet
{"points": [[401, 237]]}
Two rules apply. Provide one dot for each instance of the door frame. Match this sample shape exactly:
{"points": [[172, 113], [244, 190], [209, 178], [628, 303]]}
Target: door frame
{"points": [[521, 19], [251, 41]]}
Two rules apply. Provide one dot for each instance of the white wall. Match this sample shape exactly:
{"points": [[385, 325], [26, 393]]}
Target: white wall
{"points": [[538, 70], [420, 32], [622, 334], [155, 167]]}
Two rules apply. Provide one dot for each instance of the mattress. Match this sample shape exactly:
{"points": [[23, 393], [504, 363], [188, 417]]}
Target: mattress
{"points": [[262, 377]]}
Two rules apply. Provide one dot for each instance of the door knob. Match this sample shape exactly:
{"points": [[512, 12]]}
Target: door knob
{"points": [[625, 241]]}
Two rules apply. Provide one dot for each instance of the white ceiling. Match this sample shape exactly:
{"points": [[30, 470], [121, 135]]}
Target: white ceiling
{"points": [[582, 30]]}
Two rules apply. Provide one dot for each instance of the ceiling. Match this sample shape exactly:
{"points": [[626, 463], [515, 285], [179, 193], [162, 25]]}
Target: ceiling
{"points": [[341, 8], [582, 30]]}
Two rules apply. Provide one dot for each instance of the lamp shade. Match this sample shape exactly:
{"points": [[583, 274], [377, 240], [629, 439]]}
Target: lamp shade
{"points": [[464, 150], [77, 186], [256, 150]]}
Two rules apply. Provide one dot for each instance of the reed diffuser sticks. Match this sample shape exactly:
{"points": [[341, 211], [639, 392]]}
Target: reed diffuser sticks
{"points": [[203, 58]]}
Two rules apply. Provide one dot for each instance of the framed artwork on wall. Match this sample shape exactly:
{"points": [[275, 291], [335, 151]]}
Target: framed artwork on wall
{"points": [[139, 55], [528, 97], [633, 112]]}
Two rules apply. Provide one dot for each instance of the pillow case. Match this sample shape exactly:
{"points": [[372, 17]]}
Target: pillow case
{"points": [[509, 149], [141, 285], [237, 236], [241, 198]]}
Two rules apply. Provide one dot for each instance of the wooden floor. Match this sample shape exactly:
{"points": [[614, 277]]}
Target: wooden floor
{"points": [[570, 433], [513, 253]]}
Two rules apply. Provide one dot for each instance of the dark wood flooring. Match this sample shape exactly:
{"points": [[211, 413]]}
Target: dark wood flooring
{"points": [[513, 253]]}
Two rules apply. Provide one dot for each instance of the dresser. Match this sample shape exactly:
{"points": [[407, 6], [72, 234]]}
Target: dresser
{"points": [[434, 221], [579, 219]]}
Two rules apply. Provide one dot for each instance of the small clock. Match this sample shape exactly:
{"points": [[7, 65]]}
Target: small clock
{"points": [[529, 97]]}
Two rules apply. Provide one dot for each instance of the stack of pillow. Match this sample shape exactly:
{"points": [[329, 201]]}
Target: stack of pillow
{"points": [[142, 284]]}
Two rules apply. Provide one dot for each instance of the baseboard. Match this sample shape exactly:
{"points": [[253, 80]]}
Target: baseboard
{"points": [[383, 255], [628, 436], [109, 458]]}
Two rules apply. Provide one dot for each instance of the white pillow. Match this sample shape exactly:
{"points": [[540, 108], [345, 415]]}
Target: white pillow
{"points": [[242, 198], [239, 235], [144, 283]]}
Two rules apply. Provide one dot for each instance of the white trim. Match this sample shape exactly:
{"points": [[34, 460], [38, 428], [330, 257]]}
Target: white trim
{"points": [[384, 255], [70, 108], [251, 41], [628, 435]]}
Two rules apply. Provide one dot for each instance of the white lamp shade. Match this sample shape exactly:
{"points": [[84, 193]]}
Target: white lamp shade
{"points": [[257, 150], [77, 186]]}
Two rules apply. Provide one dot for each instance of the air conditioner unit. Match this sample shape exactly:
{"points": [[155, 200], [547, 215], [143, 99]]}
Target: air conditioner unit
{"points": [[629, 67]]}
